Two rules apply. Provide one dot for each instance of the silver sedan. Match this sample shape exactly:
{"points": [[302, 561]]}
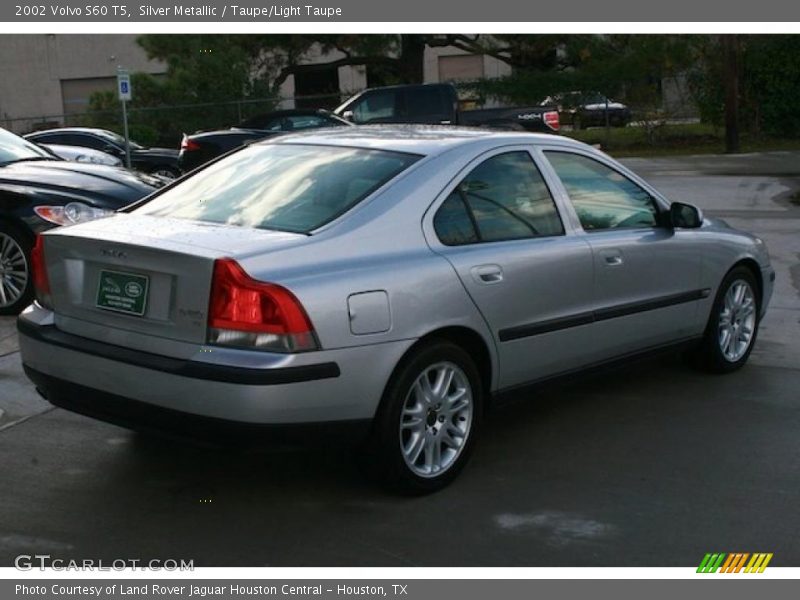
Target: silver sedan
{"points": [[390, 280]]}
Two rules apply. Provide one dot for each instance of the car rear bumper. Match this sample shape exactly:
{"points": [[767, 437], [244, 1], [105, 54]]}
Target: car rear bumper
{"points": [[104, 380], [150, 418]]}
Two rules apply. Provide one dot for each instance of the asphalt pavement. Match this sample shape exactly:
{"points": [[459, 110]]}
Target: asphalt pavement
{"points": [[652, 464]]}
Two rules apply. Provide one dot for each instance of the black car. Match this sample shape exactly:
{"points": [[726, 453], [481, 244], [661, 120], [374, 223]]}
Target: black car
{"points": [[200, 147], [588, 109], [39, 191], [156, 161]]}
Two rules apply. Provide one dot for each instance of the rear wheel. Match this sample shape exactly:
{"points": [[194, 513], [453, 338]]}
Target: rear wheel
{"points": [[428, 421], [733, 324], [16, 285]]}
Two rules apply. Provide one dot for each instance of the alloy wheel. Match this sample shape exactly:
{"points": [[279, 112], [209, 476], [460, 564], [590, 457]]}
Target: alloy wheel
{"points": [[436, 419], [13, 270], [737, 320]]}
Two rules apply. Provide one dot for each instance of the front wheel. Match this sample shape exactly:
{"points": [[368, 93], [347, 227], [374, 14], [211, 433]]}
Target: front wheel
{"points": [[166, 172], [428, 421], [16, 285], [733, 324]]}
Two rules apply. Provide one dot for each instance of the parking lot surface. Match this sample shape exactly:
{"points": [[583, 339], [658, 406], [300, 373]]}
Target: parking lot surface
{"points": [[652, 464]]}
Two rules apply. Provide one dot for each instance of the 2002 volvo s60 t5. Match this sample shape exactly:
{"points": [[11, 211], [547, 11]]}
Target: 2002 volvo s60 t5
{"points": [[393, 277]]}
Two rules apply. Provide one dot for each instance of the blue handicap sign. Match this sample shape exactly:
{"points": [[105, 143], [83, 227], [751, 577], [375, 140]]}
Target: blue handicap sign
{"points": [[124, 87]]}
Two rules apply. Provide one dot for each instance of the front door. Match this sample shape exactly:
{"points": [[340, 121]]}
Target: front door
{"points": [[647, 284], [529, 276]]}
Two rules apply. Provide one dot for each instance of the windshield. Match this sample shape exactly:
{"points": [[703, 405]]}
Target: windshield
{"points": [[14, 148], [116, 138], [288, 187]]}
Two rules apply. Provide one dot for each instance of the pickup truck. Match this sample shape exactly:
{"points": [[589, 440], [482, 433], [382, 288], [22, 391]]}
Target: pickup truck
{"points": [[437, 103], [433, 103]]}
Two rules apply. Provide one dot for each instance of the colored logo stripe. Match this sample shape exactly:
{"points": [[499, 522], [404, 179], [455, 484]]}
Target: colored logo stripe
{"points": [[734, 562]]}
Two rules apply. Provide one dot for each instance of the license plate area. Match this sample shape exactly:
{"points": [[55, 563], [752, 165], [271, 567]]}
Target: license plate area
{"points": [[122, 292]]}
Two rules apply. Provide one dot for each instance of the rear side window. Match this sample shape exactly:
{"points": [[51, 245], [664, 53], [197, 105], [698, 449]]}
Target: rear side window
{"points": [[602, 197], [426, 101], [287, 187], [503, 198]]}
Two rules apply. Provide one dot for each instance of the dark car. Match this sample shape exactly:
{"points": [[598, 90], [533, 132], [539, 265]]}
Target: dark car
{"points": [[201, 147], [438, 103], [156, 161], [39, 191], [588, 109]]}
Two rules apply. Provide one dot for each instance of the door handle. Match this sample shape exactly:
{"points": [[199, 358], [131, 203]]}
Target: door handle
{"points": [[614, 260], [487, 274]]}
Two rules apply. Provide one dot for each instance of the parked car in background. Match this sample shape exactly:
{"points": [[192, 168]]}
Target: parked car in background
{"points": [[391, 281], [202, 146], [437, 103], [588, 109], [39, 191], [156, 161], [81, 154]]}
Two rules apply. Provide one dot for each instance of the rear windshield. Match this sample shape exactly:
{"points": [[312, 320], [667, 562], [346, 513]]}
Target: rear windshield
{"points": [[285, 187]]}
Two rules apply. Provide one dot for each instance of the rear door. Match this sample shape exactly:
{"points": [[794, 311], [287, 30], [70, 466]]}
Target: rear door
{"points": [[529, 275], [647, 284]]}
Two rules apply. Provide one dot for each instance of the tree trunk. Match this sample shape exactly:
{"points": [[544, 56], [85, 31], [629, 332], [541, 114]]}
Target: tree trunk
{"points": [[730, 50], [412, 58]]}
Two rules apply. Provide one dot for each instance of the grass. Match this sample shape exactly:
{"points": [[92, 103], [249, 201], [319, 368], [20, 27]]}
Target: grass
{"points": [[673, 139]]}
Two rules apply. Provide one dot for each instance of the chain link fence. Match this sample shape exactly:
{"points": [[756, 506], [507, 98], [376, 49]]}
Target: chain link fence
{"points": [[650, 124], [164, 125]]}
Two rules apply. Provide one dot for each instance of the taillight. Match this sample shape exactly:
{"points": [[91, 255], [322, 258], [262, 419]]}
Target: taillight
{"points": [[41, 283], [188, 144], [247, 313], [551, 120]]}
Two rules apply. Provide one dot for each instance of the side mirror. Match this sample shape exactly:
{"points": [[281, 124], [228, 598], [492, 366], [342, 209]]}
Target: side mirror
{"points": [[348, 115], [685, 216]]}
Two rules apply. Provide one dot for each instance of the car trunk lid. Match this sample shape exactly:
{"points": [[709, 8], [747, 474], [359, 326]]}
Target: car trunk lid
{"points": [[143, 275]]}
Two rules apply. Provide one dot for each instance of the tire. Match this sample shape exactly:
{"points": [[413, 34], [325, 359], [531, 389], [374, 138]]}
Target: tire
{"points": [[16, 283], [726, 346], [166, 171], [398, 433]]}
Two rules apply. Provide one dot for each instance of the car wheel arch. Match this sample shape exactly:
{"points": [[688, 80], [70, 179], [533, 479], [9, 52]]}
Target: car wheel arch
{"points": [[18, 224], [751, 265], [466, 338]]}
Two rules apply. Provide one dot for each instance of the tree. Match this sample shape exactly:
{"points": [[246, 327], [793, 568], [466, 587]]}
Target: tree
{"points": [[730, 46]]}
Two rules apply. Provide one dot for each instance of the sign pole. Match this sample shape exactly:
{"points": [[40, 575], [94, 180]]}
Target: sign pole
{"points": [[125, 133], [124, 93]]}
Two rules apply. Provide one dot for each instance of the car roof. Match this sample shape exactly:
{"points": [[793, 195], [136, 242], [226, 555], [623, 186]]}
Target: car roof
{"points": [[417, 139], [94, 130]]}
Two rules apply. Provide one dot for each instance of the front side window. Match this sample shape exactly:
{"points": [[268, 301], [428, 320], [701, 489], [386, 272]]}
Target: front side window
{"points": [[287, 187], [375, 107], [503, 198], [90, 141], [602, 197]]}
